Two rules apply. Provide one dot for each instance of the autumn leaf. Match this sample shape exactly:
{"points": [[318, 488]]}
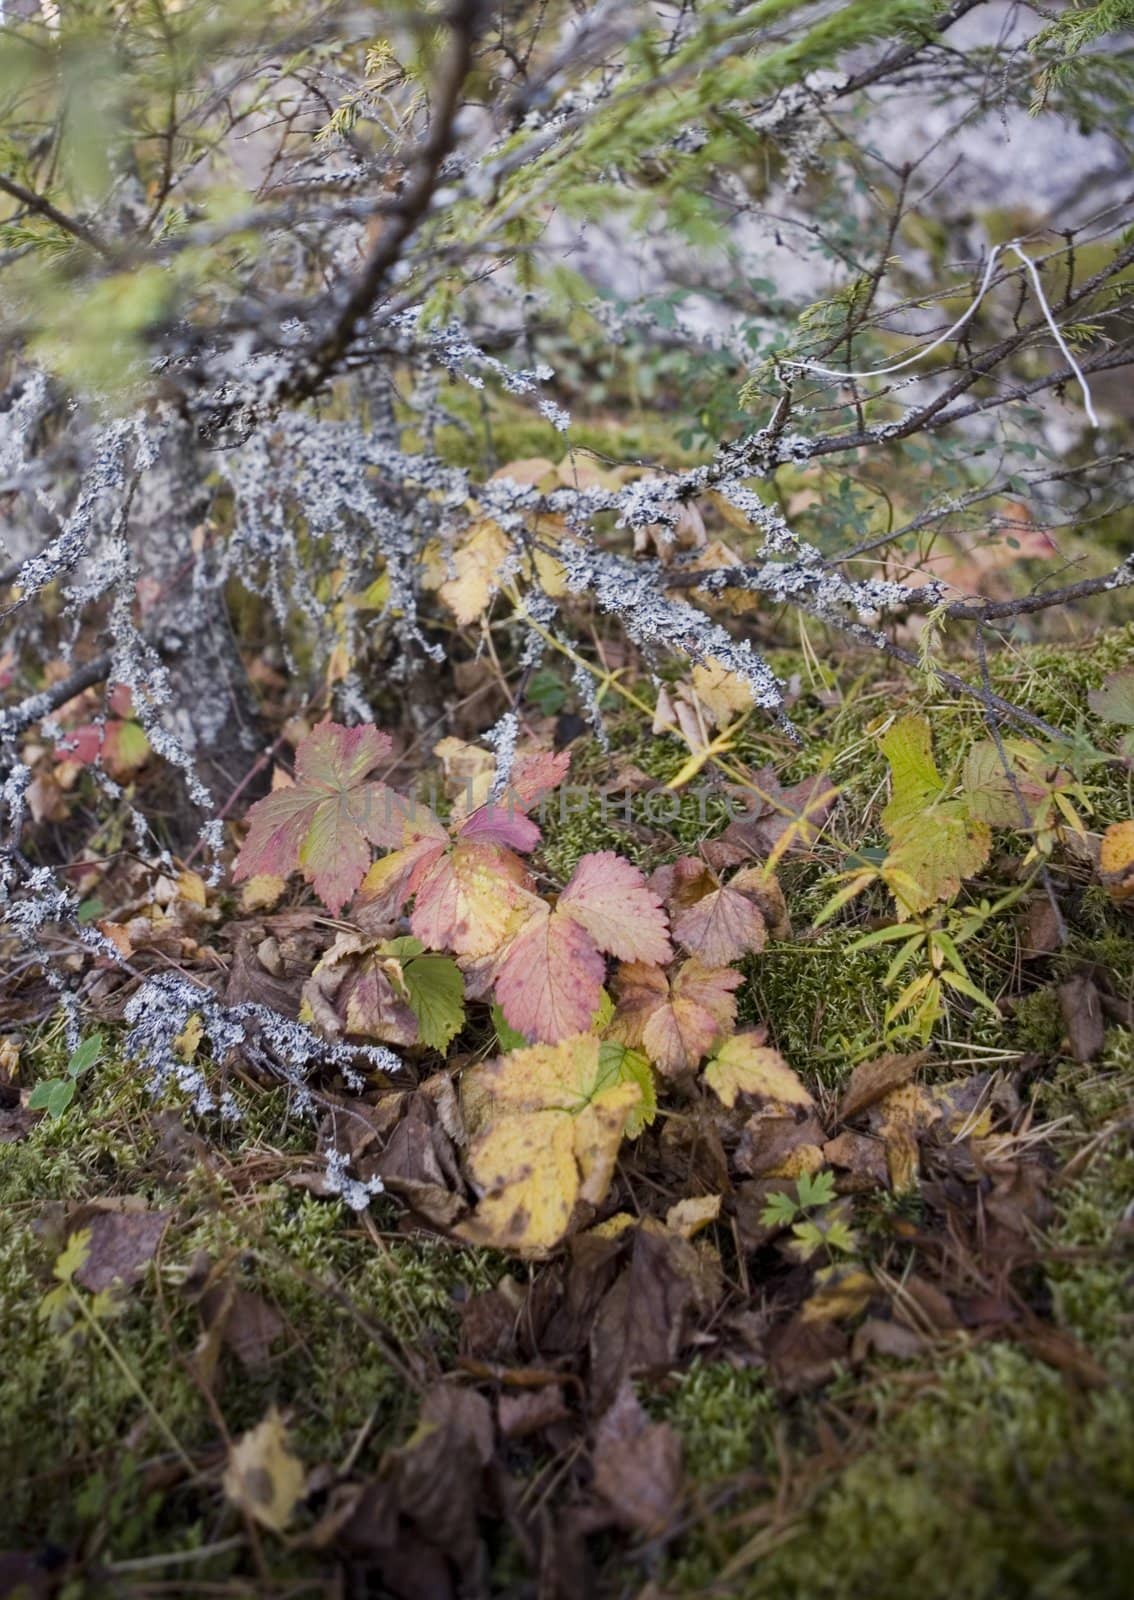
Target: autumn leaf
{"points": [[1018, 797], [121, 746], [386, 989], [674, 1020], [778, 820], [1116, 861], [549, 979], [545, 1125], [321, 824], [476, 566], [935, 842], [471, 899], [1113, 701], [746, 1068], [263, 1477], [354, 990], [728, 922]]}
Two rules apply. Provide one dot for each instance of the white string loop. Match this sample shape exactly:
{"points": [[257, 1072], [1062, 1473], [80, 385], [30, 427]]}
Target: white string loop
{"points": [[919, 355]]}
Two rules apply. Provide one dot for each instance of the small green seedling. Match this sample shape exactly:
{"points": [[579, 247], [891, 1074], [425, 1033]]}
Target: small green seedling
{"points": [[54, 1095], [811, 1232]]}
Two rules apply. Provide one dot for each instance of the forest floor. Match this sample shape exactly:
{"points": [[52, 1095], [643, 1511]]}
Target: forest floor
{"points": [[930, 1393], [957, 1420]]}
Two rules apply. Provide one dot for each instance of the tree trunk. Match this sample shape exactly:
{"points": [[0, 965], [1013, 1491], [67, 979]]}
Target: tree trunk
{"points": [[213, 710]]}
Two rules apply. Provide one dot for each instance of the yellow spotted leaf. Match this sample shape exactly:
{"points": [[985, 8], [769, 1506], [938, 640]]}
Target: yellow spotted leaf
{"points": [[545, 1126], [745, 1067], [263, 1477]]}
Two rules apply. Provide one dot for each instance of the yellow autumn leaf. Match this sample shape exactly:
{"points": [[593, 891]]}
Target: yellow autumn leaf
{"points": [[688, 1217], [723, 693], [476, 568], [936, 842], [261, 892], [545, 1125], [191, 887], [188, 1040], [743, 1066], [840, 1291], [1116, 861], [263, 1477]]}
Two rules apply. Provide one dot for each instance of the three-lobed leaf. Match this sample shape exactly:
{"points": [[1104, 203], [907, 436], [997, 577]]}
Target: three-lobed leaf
{"points": [[549, 978], [324, 823], [545, 1125]]}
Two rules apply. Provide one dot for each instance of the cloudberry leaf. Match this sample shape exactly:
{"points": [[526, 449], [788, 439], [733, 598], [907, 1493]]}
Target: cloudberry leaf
{"points": [[549, 979], [721, 927], [995, 797], [545, 1126], [746, 1068], [357, 989], [501, 824], [436, 992], [321, 824]]}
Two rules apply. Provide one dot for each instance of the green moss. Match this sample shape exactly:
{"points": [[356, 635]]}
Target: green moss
{"points": [[723, 1415], [78, 1410]]}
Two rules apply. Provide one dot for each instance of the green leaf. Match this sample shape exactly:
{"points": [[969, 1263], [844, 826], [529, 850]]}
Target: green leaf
{"points": [[779, 1211], [507, 1037], [914, 778], [546, 692], [435, 989], [62, 1093], [72, 1257], [817, 1190], [40, 1097], [86, 1055], [619, 1064]]}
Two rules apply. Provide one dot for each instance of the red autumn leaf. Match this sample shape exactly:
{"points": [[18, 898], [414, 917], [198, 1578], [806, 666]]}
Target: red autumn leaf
{"points": [[610, 898], [723, 925], [471, 899], [549, 979], [501, 824], [321, 824]]}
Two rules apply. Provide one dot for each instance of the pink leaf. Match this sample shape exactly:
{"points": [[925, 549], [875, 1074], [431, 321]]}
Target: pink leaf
{"points": [[536, 775], [609, 897], [472, 900], [321, 823], [501, 824], [549, 981], [721, 927]]}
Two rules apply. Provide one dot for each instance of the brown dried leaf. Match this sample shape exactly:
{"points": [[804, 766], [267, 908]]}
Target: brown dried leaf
{"points": [[638, 1468], [1082, 1017], [122, 1245], [871, 1080]]}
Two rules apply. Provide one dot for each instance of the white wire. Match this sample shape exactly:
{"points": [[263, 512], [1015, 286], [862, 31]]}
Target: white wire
{"points": [[919, 355]]}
